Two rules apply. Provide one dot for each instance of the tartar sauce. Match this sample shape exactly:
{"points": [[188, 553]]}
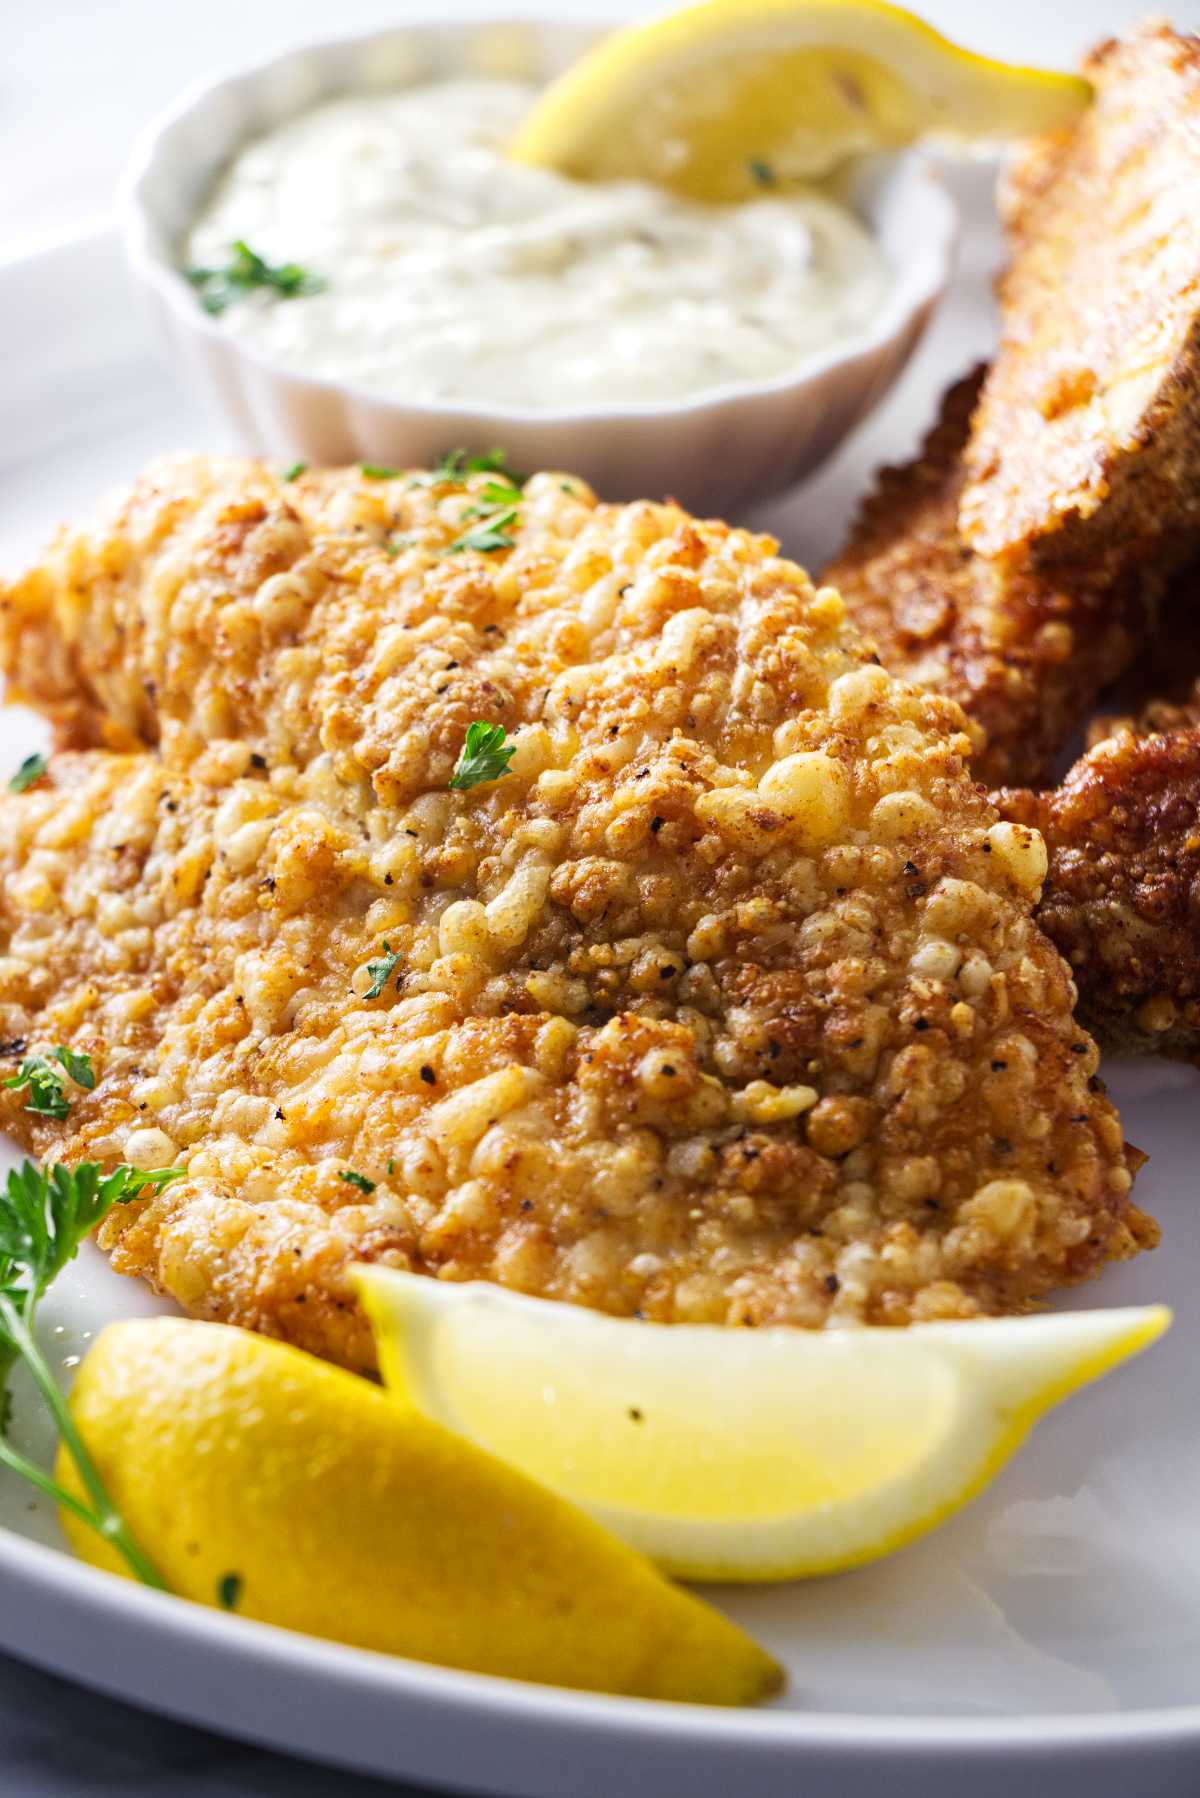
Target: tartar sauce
{"points": [[449, 273]]}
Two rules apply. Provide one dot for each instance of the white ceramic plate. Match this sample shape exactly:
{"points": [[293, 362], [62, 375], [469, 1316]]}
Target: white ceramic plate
{"points": [[1049, 1633]]}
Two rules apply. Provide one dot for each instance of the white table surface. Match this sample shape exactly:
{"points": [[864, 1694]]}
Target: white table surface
{"points": [[78, 80]]}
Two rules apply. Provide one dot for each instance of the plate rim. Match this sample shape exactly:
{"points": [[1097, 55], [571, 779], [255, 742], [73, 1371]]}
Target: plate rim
{"points": [[166, 1615], [32, 1574]]}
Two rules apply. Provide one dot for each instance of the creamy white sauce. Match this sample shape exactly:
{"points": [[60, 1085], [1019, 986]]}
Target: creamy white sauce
{"points": [[454, 274]]}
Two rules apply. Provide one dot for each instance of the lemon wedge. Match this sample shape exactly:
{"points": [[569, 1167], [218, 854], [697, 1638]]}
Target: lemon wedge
{"points": [[258, 1477], [739, 1455], [715, 99]]}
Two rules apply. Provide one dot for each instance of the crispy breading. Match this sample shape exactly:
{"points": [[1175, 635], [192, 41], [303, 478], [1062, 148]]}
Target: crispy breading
{"points": [[725, 1004], [1026, 654], [1087, 433], [1161, 690], [1122, 900]]}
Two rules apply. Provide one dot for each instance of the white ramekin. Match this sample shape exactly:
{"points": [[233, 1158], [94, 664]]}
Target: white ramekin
{"points": [[714, 453]]}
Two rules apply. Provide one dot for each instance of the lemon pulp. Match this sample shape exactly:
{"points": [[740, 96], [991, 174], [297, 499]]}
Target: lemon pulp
{"points": [[728, 1454]]}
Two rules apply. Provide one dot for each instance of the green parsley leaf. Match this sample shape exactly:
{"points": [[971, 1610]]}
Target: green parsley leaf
{"points": [[246, 271], [496, 495], [403, 540], [31, 770], [46, 1096], [45, 1213], [381, 971], [762, 172], [484, 756], [490, 534], [455, 465], [359, 1180], [377, 471], [294, 472], [78, 1066], [229, 1591]]}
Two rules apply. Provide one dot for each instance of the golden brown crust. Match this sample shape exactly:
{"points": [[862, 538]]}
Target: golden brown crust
{"points": [[1122, 899], [1087, 433], [1161, 690], [725, 1004], [1024, 654]]}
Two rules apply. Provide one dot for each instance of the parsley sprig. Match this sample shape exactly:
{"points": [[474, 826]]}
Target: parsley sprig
{"points": [[484, 756], [45, 1083], [45, 1213], [32, 769], [245, 272]]}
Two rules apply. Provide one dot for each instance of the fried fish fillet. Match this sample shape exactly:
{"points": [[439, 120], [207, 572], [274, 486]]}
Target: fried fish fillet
{"points": [[1122, 900], [1086, 438], [1161, 690], [1026, 653], [724, 1003], [1018, 563]]}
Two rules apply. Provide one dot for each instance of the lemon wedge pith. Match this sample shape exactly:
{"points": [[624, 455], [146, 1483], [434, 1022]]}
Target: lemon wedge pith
{"points": [[707, 98], [255, 1475], [740, 1455]]}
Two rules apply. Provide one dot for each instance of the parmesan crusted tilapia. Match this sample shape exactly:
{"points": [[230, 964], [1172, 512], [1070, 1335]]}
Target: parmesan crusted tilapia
{"points": [[724, 1003]]}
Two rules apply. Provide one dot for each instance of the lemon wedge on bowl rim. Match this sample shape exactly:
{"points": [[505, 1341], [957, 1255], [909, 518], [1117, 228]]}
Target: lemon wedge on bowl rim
{"points": [[739, 1454], [717, 98]]}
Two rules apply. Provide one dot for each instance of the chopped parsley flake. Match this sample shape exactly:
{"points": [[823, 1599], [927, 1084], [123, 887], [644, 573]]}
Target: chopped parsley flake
{"points": [[495, 507], [381, 971], [498, 495], [78, 1066], [454, 467], [377, 471], [31, 770], [246, 271], [484, 756], [46, 1095], [491, 533], [294, 472], [359, 1180], [762, 172], [229, 1591]]}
